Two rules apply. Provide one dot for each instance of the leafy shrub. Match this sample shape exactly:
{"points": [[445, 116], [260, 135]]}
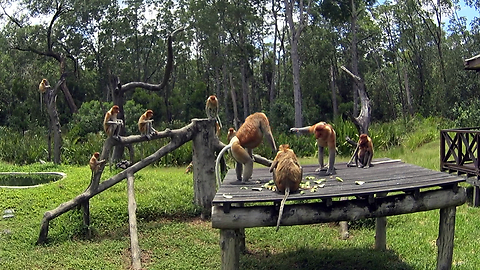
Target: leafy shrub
{"points": [[465, 113], [23, 147]]}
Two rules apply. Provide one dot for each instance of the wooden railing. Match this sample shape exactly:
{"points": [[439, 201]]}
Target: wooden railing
{"points": [[460, 153]]}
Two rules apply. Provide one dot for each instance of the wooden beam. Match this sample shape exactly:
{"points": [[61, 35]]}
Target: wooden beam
{"points": [[311, 213], [472, 63]]}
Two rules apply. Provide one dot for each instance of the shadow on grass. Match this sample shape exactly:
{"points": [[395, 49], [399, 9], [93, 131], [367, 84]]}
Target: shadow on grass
{"points": [[325, 259]]}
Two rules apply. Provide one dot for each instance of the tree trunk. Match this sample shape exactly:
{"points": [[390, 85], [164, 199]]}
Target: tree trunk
{"points": [[234, 101], [51, 104], [333, 87], [362, 121], [294, 37], [246, 111], [354, 55], [407, 91]]}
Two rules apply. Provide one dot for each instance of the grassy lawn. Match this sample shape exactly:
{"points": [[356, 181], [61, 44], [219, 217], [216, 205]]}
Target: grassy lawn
{"points": [[172, 236]]}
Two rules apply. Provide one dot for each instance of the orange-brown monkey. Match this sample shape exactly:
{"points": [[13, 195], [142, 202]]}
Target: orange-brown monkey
{"points": [[211, 109], [145, 124], [365, 152], [43, 86], [248, 136], [326, 137], [287, 174], [111, 123], [231, 134], [95, 163]]}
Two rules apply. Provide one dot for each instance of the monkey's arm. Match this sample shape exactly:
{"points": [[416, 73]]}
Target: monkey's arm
{"points": [[354, 156], [302, 130]]}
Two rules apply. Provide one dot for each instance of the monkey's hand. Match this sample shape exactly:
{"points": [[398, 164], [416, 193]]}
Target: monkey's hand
{"points": [[293, 129]]}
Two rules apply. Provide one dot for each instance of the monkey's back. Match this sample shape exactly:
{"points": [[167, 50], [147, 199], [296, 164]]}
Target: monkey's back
{"points": [[250, 133], [288, 173]]}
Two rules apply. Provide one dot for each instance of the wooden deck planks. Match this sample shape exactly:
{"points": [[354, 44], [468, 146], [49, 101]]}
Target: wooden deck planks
{"points": [[384, 177]]}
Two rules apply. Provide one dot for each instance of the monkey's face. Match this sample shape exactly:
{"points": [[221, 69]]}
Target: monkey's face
{"points": [[213, 100], [149, 114], [96, 154], [115, 109]]}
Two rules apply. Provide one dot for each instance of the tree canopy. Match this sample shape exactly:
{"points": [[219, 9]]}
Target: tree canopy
{"points": [[410, 56]]}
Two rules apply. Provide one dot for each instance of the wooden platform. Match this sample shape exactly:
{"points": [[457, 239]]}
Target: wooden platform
{"points": [[390, 187], [385, 176]]}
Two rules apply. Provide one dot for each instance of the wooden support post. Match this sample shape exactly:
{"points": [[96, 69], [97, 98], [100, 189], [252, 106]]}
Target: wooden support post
{"points": [[381, 230], [446, 233], [86, 217], [229, 249], [204, 185], [476, 196], [381, 233], [132, 221], [344, 225]]}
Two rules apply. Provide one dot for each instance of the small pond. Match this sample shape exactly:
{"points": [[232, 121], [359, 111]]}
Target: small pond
{"points": [[26, 180]]}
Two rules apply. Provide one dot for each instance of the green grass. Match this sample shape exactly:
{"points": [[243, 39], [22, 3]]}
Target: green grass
{"points": [[172, 236]]}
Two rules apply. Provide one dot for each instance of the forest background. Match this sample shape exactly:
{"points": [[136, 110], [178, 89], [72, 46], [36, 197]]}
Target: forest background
{"points": [[409, 53]]}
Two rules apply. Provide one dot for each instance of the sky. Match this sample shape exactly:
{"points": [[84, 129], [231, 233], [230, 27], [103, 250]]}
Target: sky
{"points": [[467, 12]]}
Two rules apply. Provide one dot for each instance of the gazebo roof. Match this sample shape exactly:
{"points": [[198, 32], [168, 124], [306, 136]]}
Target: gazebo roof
{"points": [[472, 63]]}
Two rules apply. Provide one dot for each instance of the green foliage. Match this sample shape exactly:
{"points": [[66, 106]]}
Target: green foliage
{"points": [[78, 151], [282, 116], [465, 113], [89, 119], [22, 147], [132, 112]]}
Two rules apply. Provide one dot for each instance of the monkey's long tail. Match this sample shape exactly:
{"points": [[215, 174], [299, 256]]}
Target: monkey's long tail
{"points": [[282, 204], [217, 162]]}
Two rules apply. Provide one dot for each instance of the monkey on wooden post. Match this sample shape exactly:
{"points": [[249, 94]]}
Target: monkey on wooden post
{"points": [[326, 137], [145, 124], [211, 109], [111, 124], [95, 163], [287, 174], [363, 154], [248, 136]]}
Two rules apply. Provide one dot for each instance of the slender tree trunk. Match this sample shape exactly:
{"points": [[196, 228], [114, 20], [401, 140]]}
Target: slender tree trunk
{"points": [[354, 55], [407, 91], [234, 101], [334, 92], [51, 104], [274, 56], [294, 37], [244, 89]]}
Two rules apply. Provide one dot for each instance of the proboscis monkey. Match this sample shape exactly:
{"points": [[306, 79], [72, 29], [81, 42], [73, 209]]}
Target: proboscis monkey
{"points": [[326, 137], [189, 168], [145, 124], [211, 109], [287, 174], [230, 134], [95, 163], [363, 153], [111, 124], [42, 88], [248, 136]]}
